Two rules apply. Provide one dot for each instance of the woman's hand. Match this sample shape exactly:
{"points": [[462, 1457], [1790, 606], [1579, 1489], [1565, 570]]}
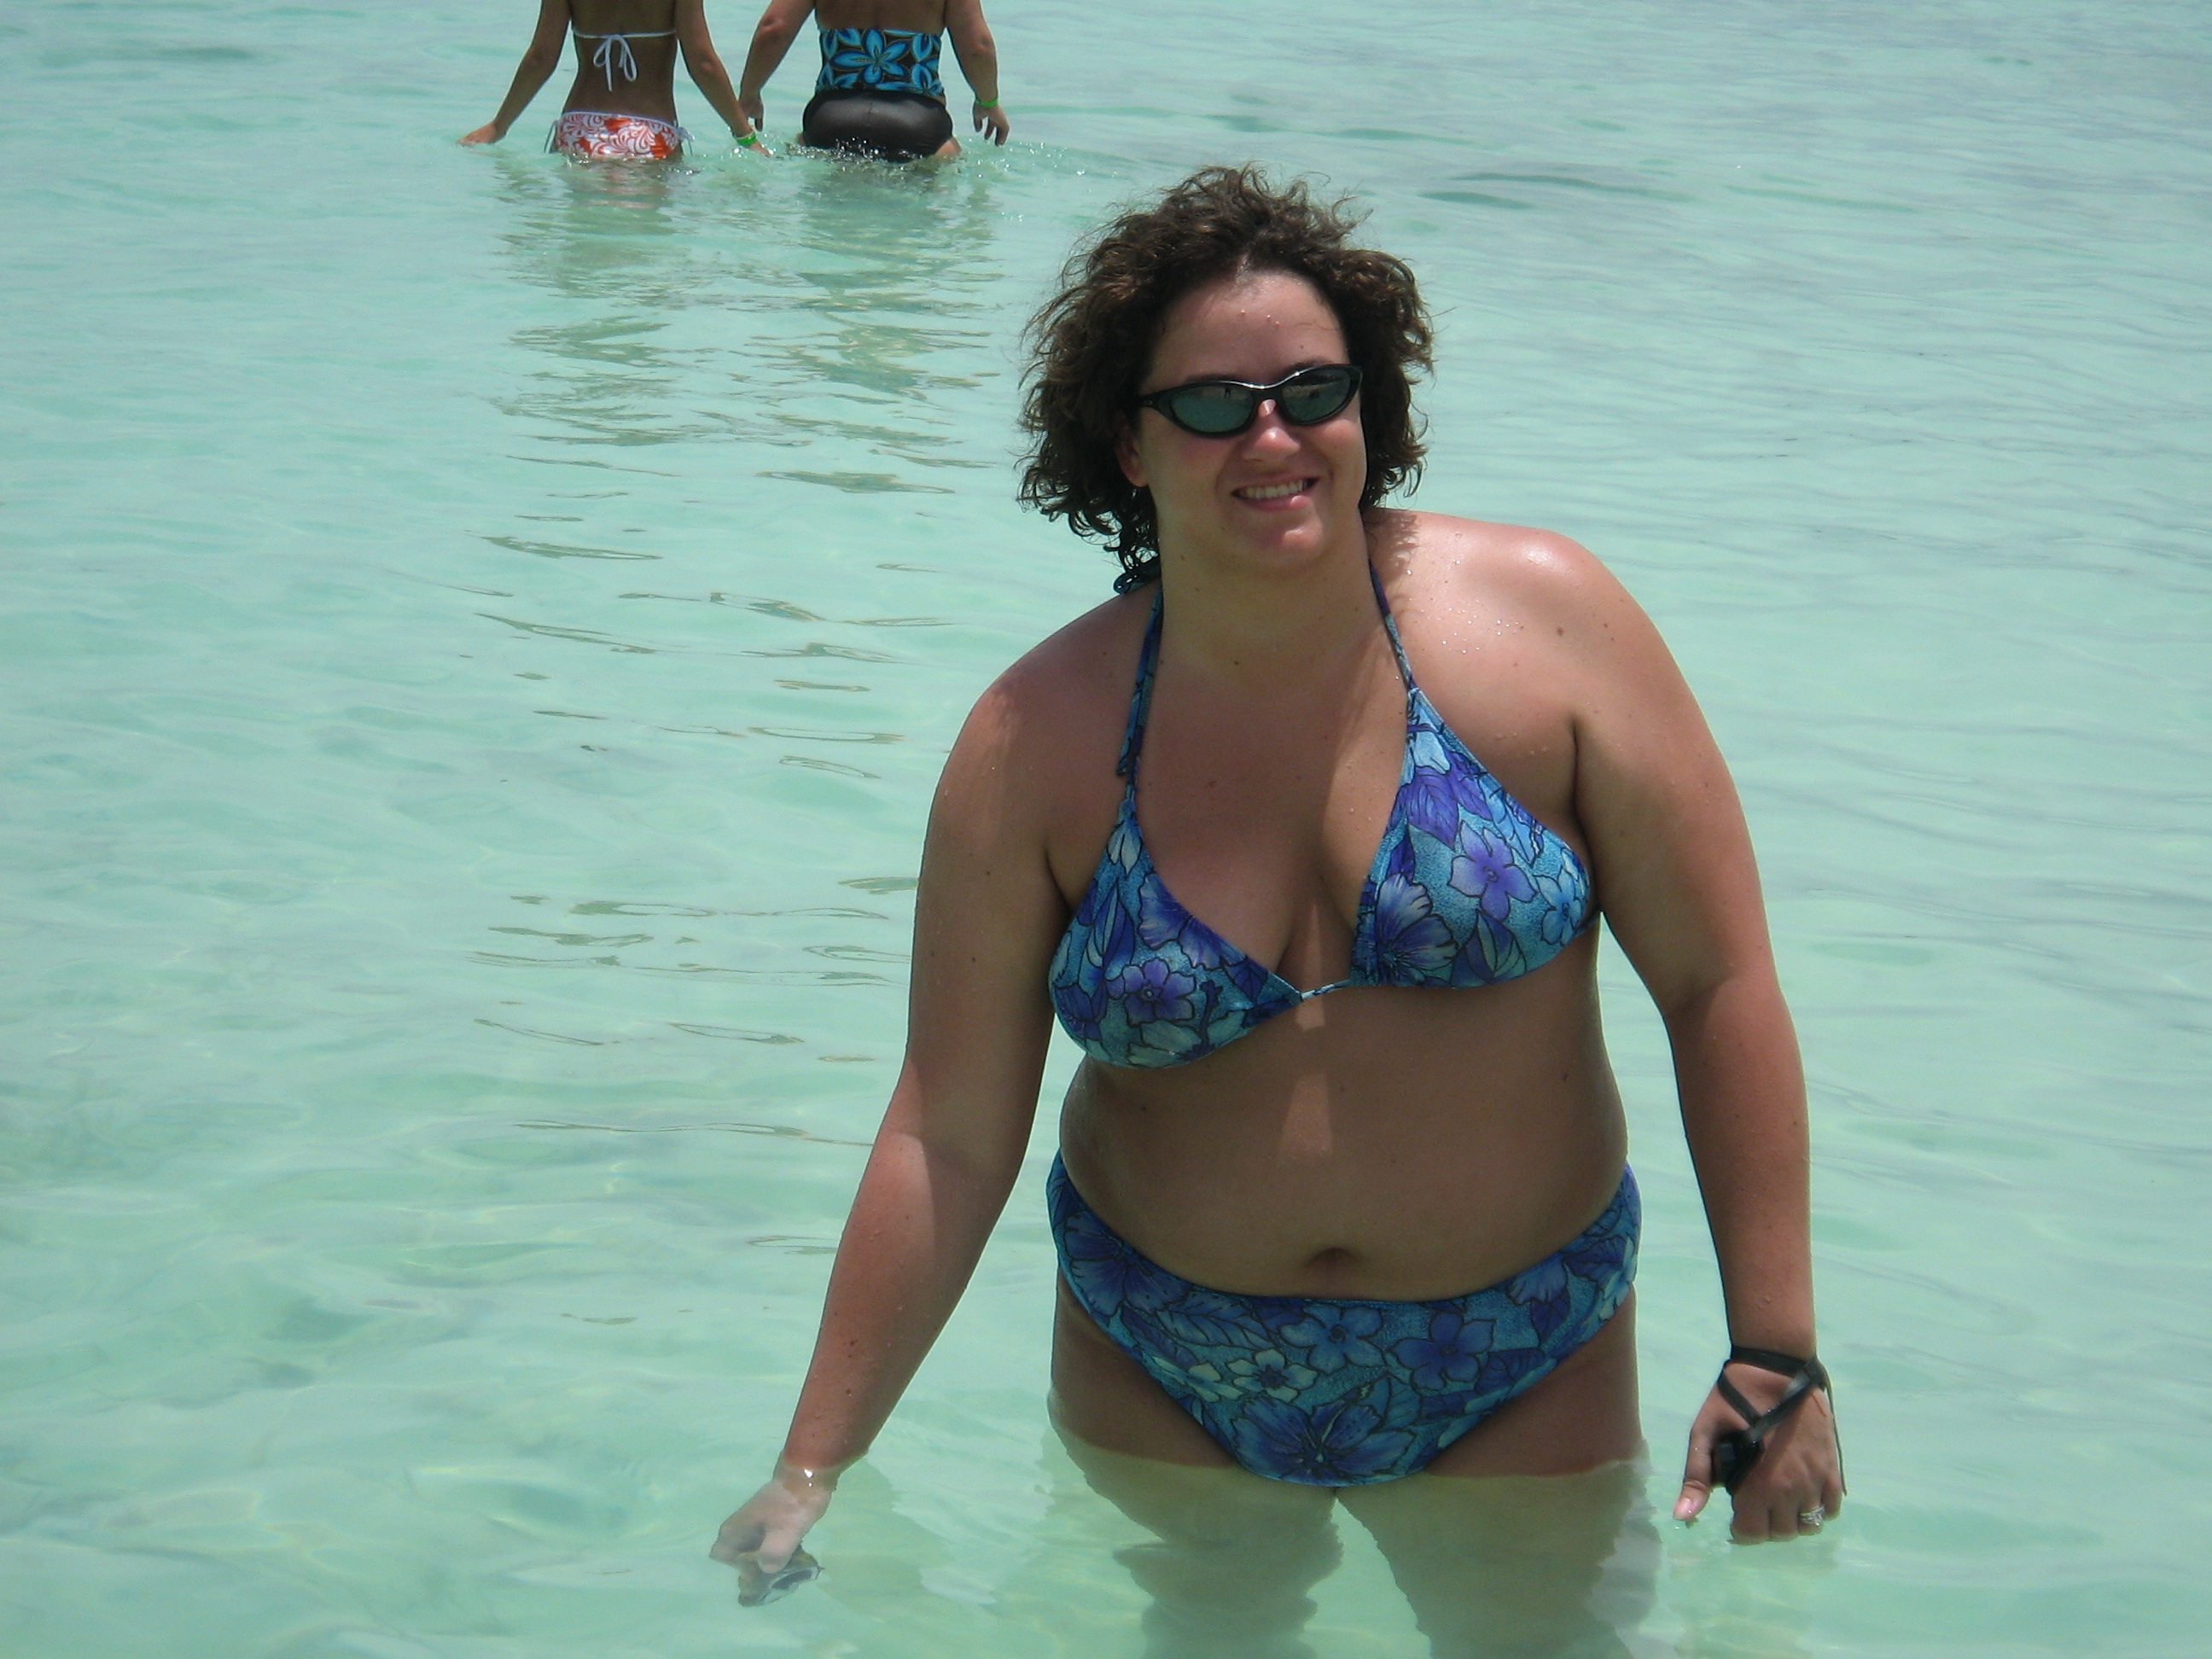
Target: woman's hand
{"points": [[760, 1540], [988, 916], [751, 144], [755, 112], [488, 133], [992, 118], [1795, 1488]]}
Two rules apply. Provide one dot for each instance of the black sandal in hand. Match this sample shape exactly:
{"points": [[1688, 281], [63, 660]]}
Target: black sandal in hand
{"points": [[1736, 1452]]}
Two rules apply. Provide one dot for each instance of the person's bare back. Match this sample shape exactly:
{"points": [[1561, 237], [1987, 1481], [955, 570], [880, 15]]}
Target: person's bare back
{"points": [[923, 16], [625, 58]]}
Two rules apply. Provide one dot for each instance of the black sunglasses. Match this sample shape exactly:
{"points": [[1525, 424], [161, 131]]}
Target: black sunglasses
{"points": [[1222, 409]]}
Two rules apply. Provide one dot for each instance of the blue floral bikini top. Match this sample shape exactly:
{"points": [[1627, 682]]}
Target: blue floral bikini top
{"points": [[880, 60], [1466, 889]]}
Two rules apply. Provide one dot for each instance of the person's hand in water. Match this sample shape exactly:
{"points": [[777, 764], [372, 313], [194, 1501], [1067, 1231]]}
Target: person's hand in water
{"points": [[539, 61], [762, 1539], [992, 118], [1797, 1485], [751, 144]]}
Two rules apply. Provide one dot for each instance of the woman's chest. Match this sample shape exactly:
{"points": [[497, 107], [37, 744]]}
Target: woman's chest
{"points": [[1281, 833]]}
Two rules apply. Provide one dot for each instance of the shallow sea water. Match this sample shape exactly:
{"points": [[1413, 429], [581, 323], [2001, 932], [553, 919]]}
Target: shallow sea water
{"points": [[480, 634]]}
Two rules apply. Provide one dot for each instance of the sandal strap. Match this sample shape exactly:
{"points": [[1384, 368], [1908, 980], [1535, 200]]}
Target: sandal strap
{"points": [[1782, 1364], [1805, 1376]]}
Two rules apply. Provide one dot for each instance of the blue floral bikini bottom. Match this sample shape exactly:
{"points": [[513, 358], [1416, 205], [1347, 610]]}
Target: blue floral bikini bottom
{"points": [[1344, 1394]]}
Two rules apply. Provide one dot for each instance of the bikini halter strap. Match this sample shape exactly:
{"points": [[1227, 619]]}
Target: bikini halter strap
{"points": [[1141, 700], [614, 53], [1390, 627], [1148, 662]]}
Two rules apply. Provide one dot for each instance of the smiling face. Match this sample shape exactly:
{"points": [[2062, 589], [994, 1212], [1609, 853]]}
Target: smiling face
{"points": [[1275, 495]]}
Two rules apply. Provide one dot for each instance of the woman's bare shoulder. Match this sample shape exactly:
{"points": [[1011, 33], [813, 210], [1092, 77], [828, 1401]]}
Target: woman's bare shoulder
{"points": [[1046, 734], [1068, 678], [1471, 572], [1452, 559]]}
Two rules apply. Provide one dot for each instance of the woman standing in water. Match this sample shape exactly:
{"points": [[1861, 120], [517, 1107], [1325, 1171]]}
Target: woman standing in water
{"points": [[623, 102], [880, 93], [1303, 837]]}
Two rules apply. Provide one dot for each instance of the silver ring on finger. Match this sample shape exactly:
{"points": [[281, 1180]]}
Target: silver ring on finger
{"points": [[1813, 1519]]}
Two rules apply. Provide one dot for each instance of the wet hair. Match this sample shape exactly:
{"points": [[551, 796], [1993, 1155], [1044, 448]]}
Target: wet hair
{"points": [[1092, 341]]}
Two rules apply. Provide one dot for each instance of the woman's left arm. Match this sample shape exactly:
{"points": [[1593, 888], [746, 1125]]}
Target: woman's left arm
{"points": [[979, 61], [1680, 888], [709, 75], [539, 59]]}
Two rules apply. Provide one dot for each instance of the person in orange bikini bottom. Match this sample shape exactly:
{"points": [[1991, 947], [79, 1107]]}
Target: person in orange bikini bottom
{"points": [[626, 52], [590, 135]]}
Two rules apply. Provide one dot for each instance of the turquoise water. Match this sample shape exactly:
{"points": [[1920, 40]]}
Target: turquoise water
{"points": [[480, 634]]}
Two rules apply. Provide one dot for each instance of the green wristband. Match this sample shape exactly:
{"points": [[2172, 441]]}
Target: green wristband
{"points": [[987, 103], [749, 141]]}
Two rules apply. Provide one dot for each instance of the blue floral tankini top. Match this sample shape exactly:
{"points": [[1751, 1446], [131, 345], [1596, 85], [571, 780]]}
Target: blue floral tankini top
{"points": [[880, 60]]}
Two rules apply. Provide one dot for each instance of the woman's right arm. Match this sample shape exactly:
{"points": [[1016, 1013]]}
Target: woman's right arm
{"points": [[540, 60], [778, 28], [988, 916]]}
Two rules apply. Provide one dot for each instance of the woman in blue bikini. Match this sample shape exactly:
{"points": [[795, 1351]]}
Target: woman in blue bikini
{"points": [[880, 93], [1303, 838]]}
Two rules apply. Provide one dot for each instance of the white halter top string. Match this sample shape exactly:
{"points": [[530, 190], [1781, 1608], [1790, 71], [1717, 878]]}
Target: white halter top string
{"points": [[614, 53]]}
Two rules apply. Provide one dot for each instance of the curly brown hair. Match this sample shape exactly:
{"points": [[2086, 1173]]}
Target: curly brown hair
{"points": [[1091, 341]]}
